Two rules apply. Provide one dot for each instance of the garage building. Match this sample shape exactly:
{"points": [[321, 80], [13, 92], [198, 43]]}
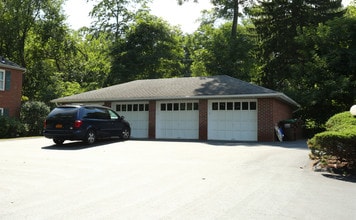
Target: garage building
{"points": [[201, 108]]}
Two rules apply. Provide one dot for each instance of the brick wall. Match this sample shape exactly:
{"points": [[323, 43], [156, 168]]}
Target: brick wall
{"points": [[11, 99], [270, 112], [152, 120], [203, 119]]}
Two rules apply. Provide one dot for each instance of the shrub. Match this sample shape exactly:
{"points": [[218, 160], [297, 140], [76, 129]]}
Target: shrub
{"points": [[10, 127], [341, 121], [338, 143], [32, 116]]}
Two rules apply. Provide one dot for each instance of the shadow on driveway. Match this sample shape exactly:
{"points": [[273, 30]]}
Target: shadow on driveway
{"points": [[80, 145], [351, 179], [299, 144]]}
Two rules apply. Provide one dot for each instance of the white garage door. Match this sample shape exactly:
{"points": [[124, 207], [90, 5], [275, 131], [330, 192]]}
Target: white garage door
{"points": [[136, 113], [232, 120], [177, 119]]}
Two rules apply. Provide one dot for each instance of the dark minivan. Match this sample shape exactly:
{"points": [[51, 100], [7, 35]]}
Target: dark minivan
{"points": [[87, 123]]}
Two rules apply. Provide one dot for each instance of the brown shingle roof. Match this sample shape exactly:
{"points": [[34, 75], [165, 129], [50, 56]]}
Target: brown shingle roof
{"points": [[176, 88]]}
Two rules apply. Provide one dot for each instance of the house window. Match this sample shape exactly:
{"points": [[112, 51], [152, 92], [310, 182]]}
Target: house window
{"points": [[1, 111], [2, 80]]}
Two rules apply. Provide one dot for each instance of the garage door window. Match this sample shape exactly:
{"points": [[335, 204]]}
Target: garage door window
{"points": [[253, 106], [185, 106], [131, 107], [244, 105], [229, 106]]}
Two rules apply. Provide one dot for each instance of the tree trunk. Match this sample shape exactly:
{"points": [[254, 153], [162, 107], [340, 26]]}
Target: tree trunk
{"points": [[235, 19]]}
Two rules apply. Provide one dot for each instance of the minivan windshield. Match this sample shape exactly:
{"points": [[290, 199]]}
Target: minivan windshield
{"points": [[63, 113]]}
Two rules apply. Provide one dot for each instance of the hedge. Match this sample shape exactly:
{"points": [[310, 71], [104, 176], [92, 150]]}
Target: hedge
{"points": [[32, 115], [11, 127], [338, 143]]}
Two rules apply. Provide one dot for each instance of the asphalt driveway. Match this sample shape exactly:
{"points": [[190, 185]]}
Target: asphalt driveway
{"points": [[167, 180]]}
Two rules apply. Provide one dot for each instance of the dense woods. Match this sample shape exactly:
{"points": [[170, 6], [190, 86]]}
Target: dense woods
{"points": [[304, 48]]}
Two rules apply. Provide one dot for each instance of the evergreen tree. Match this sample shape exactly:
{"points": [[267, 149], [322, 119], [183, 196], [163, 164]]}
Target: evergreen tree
{"points": [[277, 24]]}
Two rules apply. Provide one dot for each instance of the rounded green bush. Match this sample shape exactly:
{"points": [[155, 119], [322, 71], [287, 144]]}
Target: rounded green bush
{"points": [[338, 142]]}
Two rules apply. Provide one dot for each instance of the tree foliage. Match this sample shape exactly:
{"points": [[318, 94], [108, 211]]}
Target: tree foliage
{"points": [[326, 77], [114, 16], [277, 23], [151, 49], [32, 115], [215, 53], [228, 9]]}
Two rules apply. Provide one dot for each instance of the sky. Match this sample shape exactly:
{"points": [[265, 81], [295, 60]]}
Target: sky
{"points": [[185, 16]]}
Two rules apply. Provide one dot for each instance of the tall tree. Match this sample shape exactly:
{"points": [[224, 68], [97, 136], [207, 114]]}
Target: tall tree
{"points": [[114, 16], [18, 18], [277, 23], [325, 83], [227, 9], [213, 52], [151, 49]]}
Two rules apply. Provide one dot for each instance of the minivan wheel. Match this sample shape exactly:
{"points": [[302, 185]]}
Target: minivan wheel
{"points": [[90, 137], [125, 134], [58, 141]]}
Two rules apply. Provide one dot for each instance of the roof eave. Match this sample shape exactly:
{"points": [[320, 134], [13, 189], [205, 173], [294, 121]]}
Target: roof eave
{"points": [[12, 67], [280, 96]]}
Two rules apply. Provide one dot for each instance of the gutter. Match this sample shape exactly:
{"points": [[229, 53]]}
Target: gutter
{"points": [[281, 96], [12, 67]]}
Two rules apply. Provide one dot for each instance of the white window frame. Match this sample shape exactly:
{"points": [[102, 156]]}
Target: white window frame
{"points": [[1, 111], [2, 80]]}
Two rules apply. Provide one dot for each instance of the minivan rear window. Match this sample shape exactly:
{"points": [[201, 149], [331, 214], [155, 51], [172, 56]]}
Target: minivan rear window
{"points": [[63, 113]]}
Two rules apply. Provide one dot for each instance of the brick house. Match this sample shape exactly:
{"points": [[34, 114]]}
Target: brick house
{"points": [[202, 108], [10, 87]]}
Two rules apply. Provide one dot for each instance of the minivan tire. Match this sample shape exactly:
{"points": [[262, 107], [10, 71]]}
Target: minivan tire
{"points": [[90, 137], [58, 141], [125, 134]]}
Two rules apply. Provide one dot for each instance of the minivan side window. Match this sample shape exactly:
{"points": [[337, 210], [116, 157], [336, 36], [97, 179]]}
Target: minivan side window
{"points": [[68, 113], [113, 115], [96, 113], [89, 113], [102, 113]]}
